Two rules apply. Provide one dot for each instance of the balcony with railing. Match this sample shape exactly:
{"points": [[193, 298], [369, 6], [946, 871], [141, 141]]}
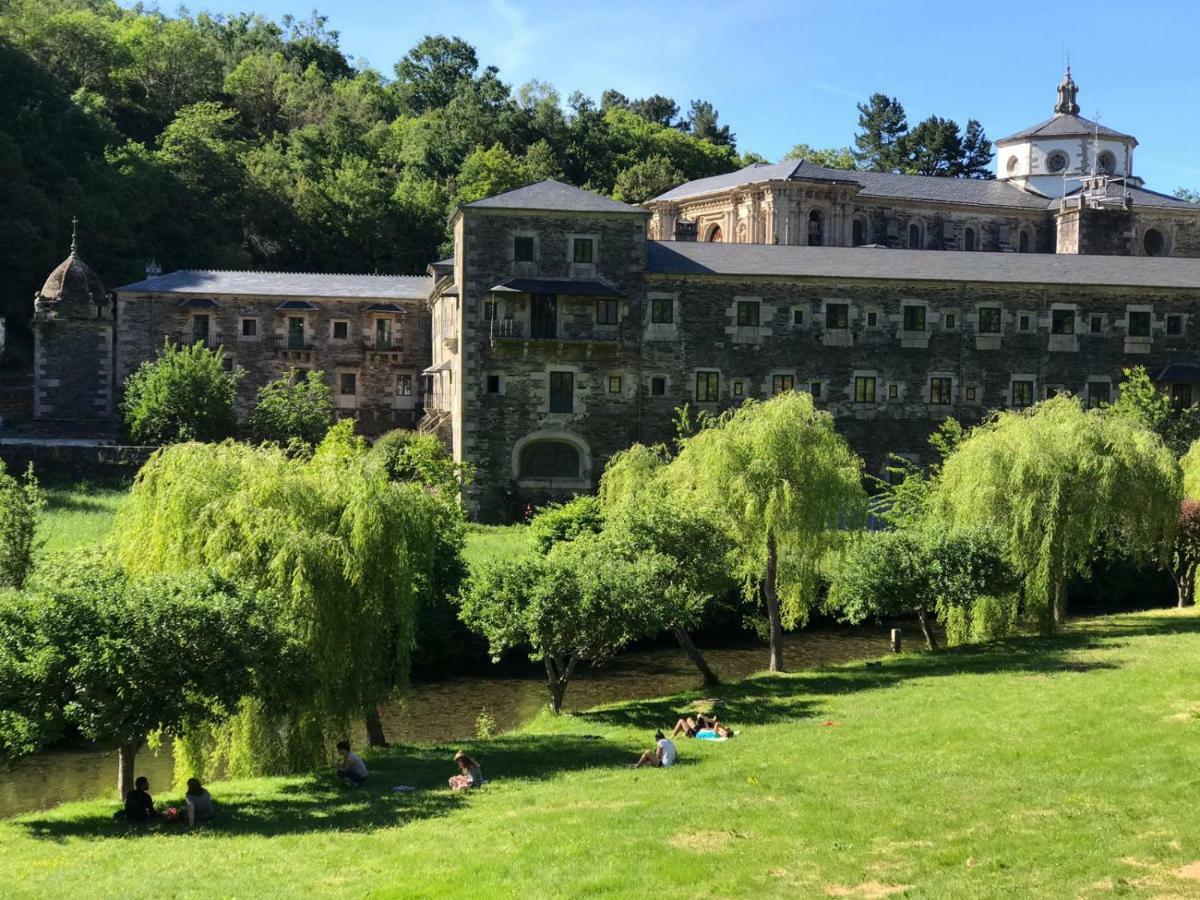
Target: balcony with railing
{"points": [[568, 331], [191, 338], [292, 343]]}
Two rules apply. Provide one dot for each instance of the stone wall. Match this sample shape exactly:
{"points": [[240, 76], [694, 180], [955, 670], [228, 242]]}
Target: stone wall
{"points": [[73, 375], [386, 378]]}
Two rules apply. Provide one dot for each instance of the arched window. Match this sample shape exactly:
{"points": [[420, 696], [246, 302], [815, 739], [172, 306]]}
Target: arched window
{"points": [[859, 233], [1154, 243], [914, 236], [1023, 242], [714, 234], [1107, 163], [816, 228], [969, 238], [549, 459]]}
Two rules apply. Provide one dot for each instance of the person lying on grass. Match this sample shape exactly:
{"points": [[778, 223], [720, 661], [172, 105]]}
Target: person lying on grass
{"points": [[661, 756], [704, 727], [469, 774], [351, 769], [199, 802]]}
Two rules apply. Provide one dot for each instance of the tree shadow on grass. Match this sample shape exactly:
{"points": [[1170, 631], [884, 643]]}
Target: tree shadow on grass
{"points": [[319, 803], [765, 698]]}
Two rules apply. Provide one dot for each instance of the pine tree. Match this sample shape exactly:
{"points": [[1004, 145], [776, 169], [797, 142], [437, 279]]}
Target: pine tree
{"points": [[881, 142]]}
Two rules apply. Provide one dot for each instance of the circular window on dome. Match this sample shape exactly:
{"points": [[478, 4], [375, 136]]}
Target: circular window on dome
{"points": [[1107, 163], [1013, 162], [1154, 242], [1056, 161]]}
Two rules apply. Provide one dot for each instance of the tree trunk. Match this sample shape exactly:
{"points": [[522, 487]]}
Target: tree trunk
{"points": [[1059, 597], [771, 599], [375, 735], [694, 654], [557, 678], [126, 753], [923, 618]]}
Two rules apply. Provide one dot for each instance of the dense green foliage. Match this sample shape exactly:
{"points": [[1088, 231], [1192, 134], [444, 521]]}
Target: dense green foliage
{"points": [[917, 572], [1185, 555], [184, 395], [559, 522], [782, 484], [293, 412], [935, 146], [118, 659], [1142, 401], [21, 506], [346, 548], [1057, 482]]}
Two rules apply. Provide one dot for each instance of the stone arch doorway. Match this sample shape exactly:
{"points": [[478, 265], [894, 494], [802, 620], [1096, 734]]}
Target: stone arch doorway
{"points": [[816, 228], [713, 234]]}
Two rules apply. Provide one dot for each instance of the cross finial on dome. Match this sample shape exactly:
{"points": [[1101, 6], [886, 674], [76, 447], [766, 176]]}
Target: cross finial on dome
{"points": [[1067, 92], [74, 234]]}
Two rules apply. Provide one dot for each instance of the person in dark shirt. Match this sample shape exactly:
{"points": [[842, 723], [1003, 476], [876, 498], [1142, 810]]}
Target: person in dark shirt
{"points": [[139, 805]]}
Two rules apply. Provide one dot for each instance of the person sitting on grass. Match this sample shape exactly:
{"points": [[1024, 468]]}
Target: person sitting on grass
{"points": [[139, 805], [661, 756], [703, 727], [199, 802], [470, 775], [351, 769]]}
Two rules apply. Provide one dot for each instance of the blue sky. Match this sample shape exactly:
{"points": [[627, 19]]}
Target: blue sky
{"points": [[783, 73]]}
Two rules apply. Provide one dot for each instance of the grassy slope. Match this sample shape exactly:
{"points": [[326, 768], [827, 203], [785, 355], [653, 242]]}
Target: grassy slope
{"points": [[1050, 768], [79, 516]]}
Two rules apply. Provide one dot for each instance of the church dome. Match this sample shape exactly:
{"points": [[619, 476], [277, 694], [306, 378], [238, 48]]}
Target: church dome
{"points": [[72, 291]]}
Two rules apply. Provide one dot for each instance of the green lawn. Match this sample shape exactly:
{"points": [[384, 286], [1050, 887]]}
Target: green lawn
{"points": [[79, 515], [488, 542], [1062, 767]]}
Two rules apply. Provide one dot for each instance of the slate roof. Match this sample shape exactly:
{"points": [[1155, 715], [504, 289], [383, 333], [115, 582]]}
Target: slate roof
{"points": [[286, 284], [874, 184], [1066, 125], [749, 260], [553, 196], [1181, 373]]}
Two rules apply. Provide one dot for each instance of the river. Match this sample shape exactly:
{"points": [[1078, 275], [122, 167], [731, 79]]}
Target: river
{"points": [[447, 710]]}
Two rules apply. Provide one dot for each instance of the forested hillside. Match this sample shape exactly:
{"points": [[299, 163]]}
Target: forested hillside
{"points": [[213, 141]]}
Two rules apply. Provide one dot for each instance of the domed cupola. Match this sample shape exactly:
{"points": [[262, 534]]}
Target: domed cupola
{"points": [[1053, 156], [73, 290]]}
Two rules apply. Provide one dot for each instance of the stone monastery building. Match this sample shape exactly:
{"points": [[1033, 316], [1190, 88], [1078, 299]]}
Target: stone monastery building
{"points": [[567, 325]]}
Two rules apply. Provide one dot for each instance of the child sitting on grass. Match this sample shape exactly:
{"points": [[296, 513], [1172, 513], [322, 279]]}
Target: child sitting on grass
{"points": [[351, 769], [469, 774]]}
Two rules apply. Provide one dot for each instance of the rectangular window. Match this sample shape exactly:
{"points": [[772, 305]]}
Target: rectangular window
{"points": [[949, 321], [971, 393], [493, 384], [404, 385], [583, 250], [815, 389], [1024, 323], [1062, 321], [347, 384], [708, 387], [1022, 393], [797, 317], [1181, 396], [739, 388], [200, 329], [249, 327], [940, 391], [227, 363], [383, 334], [872, 319], [562, 392], [614, 384], [341, 331], [989, 320], [864, 389], [1097, 324], [1098, 394], [523, 248], [662, 311], [781, 383], [1174, 325], [1139, 324], [295, 335], [893, 392], [658, 386], [914, 318], [747, 313], [489, 310], [608, 312], [837, 315]]}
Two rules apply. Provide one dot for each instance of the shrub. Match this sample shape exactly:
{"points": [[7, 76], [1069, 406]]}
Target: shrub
{"points": [[293, 411], [183, 395], [21, 504], [558, 522]]}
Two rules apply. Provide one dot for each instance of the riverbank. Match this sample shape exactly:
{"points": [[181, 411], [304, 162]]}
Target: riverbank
{"points": [[1033, 767]]}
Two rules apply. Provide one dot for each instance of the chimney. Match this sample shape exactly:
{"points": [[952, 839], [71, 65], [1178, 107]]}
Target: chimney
{"points": [[153, 269], [684, 230]]}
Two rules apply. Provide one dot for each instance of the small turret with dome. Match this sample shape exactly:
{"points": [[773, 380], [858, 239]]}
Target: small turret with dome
{"points": [[1052, 157], [73, 290]]}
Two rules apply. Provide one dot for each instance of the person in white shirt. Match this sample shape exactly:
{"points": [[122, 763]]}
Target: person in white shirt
{"points": [[661, 756], [351, 768]]}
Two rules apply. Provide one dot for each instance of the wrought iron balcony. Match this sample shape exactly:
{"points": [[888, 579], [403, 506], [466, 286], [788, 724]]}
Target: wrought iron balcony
{"points": [[293, 342], [551, 330]]}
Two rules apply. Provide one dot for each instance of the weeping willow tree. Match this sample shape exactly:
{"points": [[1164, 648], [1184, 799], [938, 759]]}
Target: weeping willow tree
{"points": [[343, 545], [1057, 482], [782, 484]]}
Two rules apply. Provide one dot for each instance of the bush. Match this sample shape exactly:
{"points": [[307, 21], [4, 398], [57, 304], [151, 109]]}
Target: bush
{"points": [[408, 456], [21, 504], [560, 522], [184, 395], [293, 411]]}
